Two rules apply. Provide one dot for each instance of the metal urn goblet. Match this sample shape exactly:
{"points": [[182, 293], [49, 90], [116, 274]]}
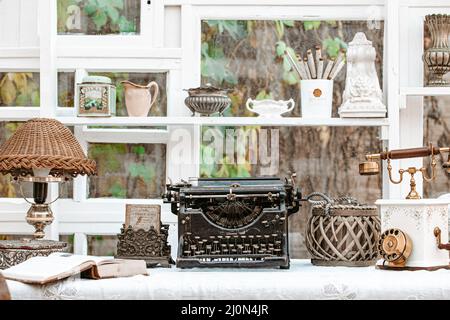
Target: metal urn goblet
{"points": [[437, 58], [207, 100]]}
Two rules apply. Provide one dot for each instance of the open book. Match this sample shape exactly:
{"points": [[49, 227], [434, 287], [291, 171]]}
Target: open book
{"points": [[57, 266]]}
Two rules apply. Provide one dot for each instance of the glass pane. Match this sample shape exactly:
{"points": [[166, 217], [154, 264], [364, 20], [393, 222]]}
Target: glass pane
{"points": [[69, 240], [325, 159], [102, 245], [241, 54], [128, 170], [99, 17], [66, 82], [19, 89], [8, 189], [437, 130]]}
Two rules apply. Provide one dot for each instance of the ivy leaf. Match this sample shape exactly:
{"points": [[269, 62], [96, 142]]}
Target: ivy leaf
{"points": [[35, 99], [125, 25], [215, 66], [117, 4], [242, 171], [290, 78], [332, 46], [99, 19], [113, 14], [22, 100], [103, 3], [263, 95], [311, 25], [117, 191], [280, 48], [20, 79], [233, 27], [279, 27], [8, 92], [286, 64], [90, 9], [139, 150]]}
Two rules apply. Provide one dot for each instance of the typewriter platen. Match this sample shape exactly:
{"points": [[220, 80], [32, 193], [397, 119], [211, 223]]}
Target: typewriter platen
{"points": [[233, 222]]}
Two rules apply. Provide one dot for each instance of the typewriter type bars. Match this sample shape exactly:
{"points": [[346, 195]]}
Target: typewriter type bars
{"points": [[233, 222]]}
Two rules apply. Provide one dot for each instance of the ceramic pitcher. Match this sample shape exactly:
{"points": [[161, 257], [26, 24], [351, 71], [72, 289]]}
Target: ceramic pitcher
{"points": [[138, 98]]}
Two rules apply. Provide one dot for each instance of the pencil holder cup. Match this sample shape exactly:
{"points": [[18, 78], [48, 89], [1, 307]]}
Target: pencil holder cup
{"points": [[317, 98]]}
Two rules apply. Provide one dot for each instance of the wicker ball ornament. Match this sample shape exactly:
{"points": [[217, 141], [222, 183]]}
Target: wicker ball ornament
{"points": [[343, 235], [44, 143]]}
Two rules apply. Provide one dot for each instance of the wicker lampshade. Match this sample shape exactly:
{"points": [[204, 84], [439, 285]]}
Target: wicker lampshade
{"points": [[44, 143]]}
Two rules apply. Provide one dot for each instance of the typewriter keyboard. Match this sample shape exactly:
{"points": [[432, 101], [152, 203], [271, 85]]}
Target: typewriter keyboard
{"points": [[232, 245]]}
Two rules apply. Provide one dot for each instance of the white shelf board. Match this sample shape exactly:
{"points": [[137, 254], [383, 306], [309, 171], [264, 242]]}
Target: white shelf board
{"points": [[18, 113], [220, 121], [425, 91]]}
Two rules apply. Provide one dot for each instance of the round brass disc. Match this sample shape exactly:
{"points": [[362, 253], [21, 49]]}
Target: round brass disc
{"points": [[369, 168], [395, 245]]}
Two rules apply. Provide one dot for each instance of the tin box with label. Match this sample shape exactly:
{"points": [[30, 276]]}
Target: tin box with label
{"points": [[95, 97]]}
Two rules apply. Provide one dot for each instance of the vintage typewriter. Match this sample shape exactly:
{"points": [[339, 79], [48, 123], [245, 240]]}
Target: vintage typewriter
{"points": [[233, 222]]}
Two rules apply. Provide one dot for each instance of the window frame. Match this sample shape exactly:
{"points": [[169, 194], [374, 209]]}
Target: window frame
{"points": [[83, 216]]}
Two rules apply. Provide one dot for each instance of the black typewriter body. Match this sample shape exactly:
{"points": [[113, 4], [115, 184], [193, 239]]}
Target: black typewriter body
{"points": [[233, 222]]}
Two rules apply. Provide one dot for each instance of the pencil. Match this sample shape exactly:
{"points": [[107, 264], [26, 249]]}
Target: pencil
{"points": [[320, 68], [318, 56], [339, 58], [308, 71], [295, 65], [311, 64], [328, 69], [336, 70]]}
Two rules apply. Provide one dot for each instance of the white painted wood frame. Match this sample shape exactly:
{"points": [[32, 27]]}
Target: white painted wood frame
{"points": [[47, 52]]}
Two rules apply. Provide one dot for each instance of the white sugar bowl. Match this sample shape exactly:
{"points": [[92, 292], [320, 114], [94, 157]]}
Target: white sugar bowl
{"points": [[269, 108]]}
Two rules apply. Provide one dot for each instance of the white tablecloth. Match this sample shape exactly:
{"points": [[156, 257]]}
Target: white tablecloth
{"points": [[301, 281]]}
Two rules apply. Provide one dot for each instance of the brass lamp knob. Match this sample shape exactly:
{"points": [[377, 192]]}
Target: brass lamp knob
{"points": [[369, 168]]}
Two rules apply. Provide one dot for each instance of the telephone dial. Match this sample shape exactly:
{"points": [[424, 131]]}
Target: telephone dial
{"points": [[395, 246]]}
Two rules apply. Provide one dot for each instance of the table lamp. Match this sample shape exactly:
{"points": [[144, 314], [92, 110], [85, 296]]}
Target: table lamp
{"points": [[41, 151]]}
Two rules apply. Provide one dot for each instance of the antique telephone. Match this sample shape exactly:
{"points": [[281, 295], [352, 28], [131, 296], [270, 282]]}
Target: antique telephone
{"points": [[372, 167], [422, 222]]}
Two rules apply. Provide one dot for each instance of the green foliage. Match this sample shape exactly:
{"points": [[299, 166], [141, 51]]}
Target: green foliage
{"points": [[117, 191], [107, 153], [107, 16], [263, 94], [311, 25], [279, 26], [235, 29], [214, 65], [332, 46], [145, 172], [290, 76], [19, 89], [139, 150]]}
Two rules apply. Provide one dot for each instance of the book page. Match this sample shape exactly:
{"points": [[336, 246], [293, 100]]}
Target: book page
{"points": [[55, 266]]}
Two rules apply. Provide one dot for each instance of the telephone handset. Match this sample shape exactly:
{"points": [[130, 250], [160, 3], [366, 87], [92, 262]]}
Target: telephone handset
{"points": [[395, 246]]}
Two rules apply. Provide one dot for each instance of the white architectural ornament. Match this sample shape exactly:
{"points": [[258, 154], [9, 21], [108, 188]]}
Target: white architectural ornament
{"points": [[362, 97]]}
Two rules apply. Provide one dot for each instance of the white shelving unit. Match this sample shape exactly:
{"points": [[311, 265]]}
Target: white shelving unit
{"points": [[424, 91], [170, 41], [222, 121]]}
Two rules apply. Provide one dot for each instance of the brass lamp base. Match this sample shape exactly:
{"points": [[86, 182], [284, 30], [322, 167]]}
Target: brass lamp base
{"points": [[39, 216]]}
